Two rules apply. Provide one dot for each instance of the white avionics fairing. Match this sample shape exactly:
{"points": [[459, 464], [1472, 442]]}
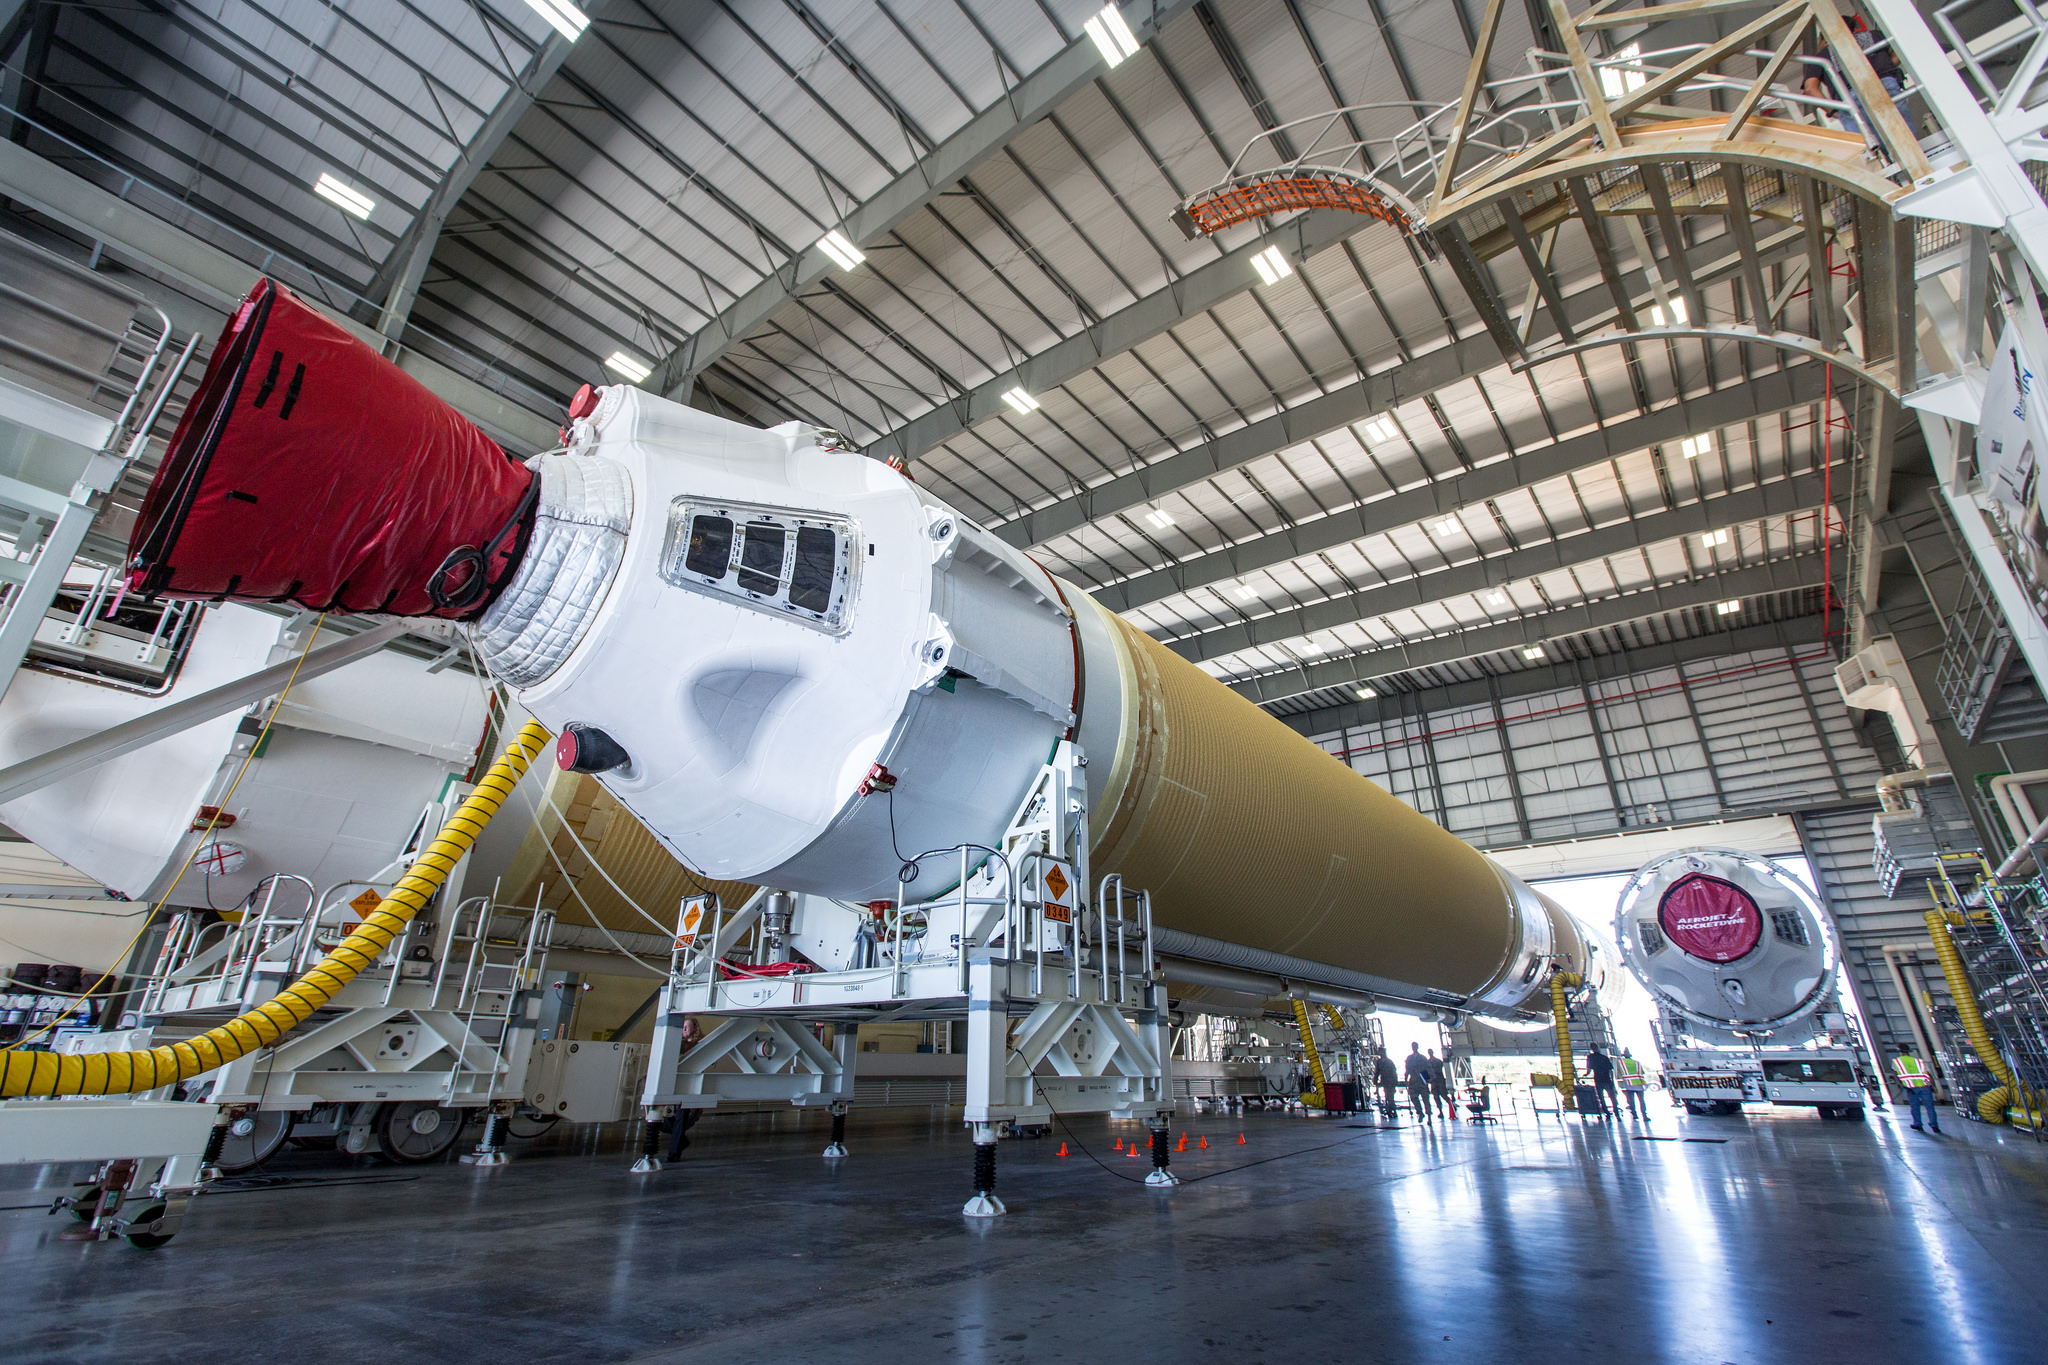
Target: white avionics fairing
{"points": [[762, 621]]}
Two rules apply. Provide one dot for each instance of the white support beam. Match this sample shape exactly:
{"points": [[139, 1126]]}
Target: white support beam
{"points": [[1077, 66], [1802, 493], [1802, 571], [1765, 396], [397, 281], [33, 774]]}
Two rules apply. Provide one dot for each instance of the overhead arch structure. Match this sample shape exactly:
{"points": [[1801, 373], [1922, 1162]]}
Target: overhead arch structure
{"points": [[1668, 133]]}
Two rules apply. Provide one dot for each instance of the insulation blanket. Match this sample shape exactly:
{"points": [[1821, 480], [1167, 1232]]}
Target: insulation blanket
{"points": [[310, 469]]}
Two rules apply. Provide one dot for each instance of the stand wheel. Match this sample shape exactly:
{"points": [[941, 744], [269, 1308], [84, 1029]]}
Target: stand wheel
{"points": [[410, 1132], [148, 1241], [255, 1138], [86, 1202]]}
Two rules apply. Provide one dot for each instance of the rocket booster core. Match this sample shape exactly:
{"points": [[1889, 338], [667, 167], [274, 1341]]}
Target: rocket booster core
{"points": [[815, 669]]}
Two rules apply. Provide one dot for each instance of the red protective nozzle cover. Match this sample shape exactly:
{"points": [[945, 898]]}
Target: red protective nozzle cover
{"points": [[308, 468]]}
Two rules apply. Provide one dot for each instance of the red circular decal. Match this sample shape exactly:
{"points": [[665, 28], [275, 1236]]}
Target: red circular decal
{"points": [[1710, 919]]}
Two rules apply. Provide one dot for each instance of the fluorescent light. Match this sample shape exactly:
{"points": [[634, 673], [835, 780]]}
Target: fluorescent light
{"points": [[844, 254], [1533, 653], [1021, 401], [1677, 311], [1113, 37], [1496, 598], [1713, 538], [1243, 592], [1159, 518], [342, 197], [1308, 647], [1692, 447], [1271, 265], [1617, 80], [566, 18], [1448, 526], [1381, 428], [1727, 608], [1366, 694], [627, 367]]}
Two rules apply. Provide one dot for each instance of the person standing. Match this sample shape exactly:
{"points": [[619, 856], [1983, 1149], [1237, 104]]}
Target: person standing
{"points": [[1440, 1085], [1633, 1083], [1388, 1076], [1601, 1067], [1416, 1069], [1918, 1083]]}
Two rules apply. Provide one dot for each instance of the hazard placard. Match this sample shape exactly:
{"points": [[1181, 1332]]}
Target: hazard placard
{"points": [[1056, 882], [1056, 885], [369, 900], [693, 916]]}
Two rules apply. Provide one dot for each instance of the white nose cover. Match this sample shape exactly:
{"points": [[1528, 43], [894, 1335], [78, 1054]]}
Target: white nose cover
{"points": [[579, 537]]}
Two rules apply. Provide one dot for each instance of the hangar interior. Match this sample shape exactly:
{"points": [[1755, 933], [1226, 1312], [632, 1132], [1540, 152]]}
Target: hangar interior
{"points": [[684, 632]]}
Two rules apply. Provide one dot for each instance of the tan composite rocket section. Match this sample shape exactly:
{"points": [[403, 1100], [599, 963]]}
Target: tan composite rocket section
{"points": [[1247, 832]]}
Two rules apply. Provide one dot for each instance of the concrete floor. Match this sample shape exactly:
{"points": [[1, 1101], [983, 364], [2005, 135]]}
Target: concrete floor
{"points": [[1792, 1239]]}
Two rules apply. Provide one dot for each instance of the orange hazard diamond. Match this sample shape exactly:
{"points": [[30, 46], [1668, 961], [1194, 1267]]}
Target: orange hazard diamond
{"points": [[366, 902], [1056, 882]]}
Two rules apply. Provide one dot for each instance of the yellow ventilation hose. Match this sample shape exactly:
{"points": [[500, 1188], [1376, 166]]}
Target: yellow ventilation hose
{"points": [[1992, 1105], [1319, 1098], [1560, 1015], [124, 1073]]}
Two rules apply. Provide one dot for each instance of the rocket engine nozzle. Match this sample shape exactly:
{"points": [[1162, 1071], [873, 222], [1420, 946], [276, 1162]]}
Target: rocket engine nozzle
{"points": [[310, 469]]}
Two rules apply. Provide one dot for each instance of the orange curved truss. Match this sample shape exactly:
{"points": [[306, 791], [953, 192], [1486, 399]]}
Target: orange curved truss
{"points": [[1285, 191]]}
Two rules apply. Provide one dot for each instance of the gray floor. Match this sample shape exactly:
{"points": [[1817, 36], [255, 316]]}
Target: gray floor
{"points": [[1793, 1239]]}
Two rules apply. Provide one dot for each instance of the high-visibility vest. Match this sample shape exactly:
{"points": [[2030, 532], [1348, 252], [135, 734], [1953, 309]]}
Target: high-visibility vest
{"points": [[1631, 1073], [1912, 1073]]}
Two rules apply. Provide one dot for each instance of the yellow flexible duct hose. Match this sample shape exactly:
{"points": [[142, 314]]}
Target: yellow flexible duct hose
{"points": [[123, 1073], [1992, 1105], [1319, 1097], [1560, 1015]]}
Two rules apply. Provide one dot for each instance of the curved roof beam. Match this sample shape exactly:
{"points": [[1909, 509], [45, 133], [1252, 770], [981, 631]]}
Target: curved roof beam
{"points": [[1077, 66]]}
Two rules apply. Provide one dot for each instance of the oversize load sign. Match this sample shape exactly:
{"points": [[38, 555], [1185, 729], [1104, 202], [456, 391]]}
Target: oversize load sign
{"points": [[1710, 919]]}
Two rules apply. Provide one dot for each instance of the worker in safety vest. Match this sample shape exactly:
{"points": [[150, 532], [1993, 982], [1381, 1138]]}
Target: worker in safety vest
{"points": [[1918, 1083], [1634, 1081]]}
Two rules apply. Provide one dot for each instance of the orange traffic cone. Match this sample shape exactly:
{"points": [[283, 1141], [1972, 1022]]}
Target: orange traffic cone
{"points": [[1063, 1149], [1204, 1143], [1240, 1139], [1183, 1143], [1119, 1144]]}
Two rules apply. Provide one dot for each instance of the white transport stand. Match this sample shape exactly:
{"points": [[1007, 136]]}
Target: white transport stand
{"points": [[444, 1022], [1064, 1005]]}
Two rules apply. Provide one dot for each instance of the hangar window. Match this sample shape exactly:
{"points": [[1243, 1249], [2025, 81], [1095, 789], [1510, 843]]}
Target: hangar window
{"points": [[801, 566]]}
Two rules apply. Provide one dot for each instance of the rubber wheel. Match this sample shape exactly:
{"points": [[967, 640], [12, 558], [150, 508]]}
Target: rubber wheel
{"points": [[268, 1131], [88, 1202], [1854, 1113], [148, 1241], [410, 1132], [1697, 1107]]}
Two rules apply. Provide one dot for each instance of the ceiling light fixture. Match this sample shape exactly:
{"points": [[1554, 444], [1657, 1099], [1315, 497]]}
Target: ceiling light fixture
{"points": [[1308, 647], [1496, 598], [1713, 538], [342, 197], [1447, 526], [1533, 653], [1271, 265], [1366, 694], [627, 367], [1243, 592], [566, 18], [1159, 518], [1727, 608], [1113, 37], [1677, 311], [844, 254], [1021, 401], [1692, 447], [1381, 428]]}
